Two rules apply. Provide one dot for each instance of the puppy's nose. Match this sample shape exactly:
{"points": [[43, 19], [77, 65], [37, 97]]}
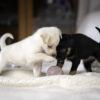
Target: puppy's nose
{"points": [[54, 55]]}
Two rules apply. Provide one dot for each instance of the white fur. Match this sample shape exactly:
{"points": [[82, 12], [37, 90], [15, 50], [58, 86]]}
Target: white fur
{"points": [[4, 37], [32, 51]]}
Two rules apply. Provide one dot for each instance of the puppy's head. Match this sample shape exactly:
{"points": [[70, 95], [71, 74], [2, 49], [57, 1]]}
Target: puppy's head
{"points": [[50, 37]]}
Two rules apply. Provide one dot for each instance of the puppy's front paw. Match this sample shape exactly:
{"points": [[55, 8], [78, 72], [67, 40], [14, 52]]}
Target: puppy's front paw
{"points": [[50, 59], [37, 71], [72, 72]]}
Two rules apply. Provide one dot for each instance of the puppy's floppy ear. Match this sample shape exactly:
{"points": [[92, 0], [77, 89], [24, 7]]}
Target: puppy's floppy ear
{"points": [[45, 37]]}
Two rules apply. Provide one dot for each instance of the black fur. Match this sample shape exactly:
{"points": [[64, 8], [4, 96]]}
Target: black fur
{"points": [[76, 47]]}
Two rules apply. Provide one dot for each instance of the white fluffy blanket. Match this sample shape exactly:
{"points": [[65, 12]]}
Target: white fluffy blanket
{"points": [[22, 78]]}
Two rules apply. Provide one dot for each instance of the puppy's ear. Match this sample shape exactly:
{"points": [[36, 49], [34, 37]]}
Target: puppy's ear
{"points": [[45, 37]]}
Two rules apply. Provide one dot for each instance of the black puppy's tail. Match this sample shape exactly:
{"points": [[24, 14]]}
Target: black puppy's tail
{"points": [[98, 29]]}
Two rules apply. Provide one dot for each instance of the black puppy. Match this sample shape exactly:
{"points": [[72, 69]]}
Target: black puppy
{"points": [[76, 47]]}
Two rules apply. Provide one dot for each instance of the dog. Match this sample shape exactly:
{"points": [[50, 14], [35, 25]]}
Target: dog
{"points": [[76, 47], [32, 51]]}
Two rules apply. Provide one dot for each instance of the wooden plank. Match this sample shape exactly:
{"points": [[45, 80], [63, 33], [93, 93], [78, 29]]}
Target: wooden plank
{"points": [[29, 17], [22, 19], [25, 18]]}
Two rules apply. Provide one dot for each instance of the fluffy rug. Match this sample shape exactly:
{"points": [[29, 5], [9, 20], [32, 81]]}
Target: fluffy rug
{"points": [[24, 78]]}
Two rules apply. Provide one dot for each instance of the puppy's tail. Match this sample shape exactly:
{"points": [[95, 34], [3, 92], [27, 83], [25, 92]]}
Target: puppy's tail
{"points": [[98, 29], [3, 39], [99, 32]]}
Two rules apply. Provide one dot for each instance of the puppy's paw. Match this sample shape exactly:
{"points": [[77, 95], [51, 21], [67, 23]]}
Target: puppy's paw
{"points": [[50, 59], [37, 71], [72, 72], [1, 71], [37, 74]]}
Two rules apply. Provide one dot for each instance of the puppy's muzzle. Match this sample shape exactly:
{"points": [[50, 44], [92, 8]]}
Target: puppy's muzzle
{"points": [[54, 55]]}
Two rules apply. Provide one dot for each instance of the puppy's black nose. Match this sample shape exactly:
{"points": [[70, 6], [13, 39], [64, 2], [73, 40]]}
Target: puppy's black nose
{"points": [[54, 55]]}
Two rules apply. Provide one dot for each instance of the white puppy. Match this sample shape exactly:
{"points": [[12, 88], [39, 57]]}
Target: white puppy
{"points": [[32, 51]]}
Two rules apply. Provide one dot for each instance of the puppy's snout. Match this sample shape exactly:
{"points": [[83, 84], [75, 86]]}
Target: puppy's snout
{"points": [[54, 55]]}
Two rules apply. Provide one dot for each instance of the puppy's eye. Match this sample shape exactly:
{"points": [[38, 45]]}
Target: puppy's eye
{"points": [[49, 46]]}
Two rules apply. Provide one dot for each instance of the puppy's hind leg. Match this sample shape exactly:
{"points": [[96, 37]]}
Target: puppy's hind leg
{"points": [[2, 65], [97, 56], [87, 64]]}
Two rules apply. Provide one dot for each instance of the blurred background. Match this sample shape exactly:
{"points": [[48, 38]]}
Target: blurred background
{"points": [[22, 17]]}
